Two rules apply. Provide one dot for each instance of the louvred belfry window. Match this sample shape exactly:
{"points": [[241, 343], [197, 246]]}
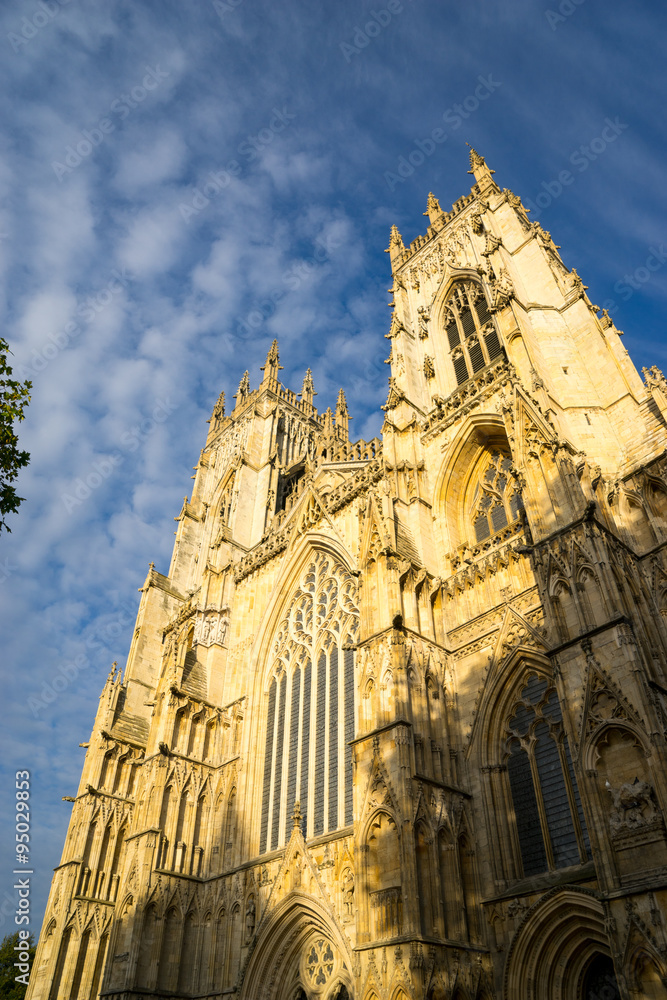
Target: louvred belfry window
{"points": [[547, 807], [496, 500], [471, 332], [310, 707]]}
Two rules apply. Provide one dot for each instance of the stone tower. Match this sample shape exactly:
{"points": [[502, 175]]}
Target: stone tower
{"points": [[392, 727]]}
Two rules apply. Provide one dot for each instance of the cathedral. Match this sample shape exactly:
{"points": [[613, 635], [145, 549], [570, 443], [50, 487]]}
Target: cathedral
{"points": [[393, 724]]}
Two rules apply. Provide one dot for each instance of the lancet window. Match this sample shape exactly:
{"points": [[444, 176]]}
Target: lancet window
{"points": [[496, 500], [310, 708], [549, 818], [471, 331]]}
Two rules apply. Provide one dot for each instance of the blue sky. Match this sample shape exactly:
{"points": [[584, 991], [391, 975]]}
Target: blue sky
{"points": [[132, 293]]}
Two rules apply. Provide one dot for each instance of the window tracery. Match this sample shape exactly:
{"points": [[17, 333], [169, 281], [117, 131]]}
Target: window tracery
{"points": [[496, 500], [549, 817], [471, 332], [310, 707]]}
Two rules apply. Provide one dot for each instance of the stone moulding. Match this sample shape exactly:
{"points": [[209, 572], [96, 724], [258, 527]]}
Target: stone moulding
{"points": [[278, 541], [477, 390]]}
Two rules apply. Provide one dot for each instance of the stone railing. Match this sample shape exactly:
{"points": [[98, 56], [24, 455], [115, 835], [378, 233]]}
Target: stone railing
{"points": [[360, 451]]}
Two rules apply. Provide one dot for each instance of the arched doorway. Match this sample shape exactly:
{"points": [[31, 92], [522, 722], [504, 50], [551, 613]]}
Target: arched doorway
{"points": [[561, 941], [600, 980], [300, 954]]}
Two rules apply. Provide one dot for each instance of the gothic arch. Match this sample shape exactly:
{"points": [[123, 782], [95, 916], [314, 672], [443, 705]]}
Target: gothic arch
{"points": [[628, 796], [476, 435], [428, 901], [277, 961], [307, 678], [591, 748], [381, 867], [529, 784], [444, 293], [646, 969], [556, 941], [497, 700], [287, 580]]}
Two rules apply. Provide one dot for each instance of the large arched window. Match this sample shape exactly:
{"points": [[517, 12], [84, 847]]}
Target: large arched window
{"points": [[471, 332], [310, 708], [495, 500], [549, 818]]}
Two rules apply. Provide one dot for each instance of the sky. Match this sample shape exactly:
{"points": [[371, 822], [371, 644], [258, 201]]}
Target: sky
{"points": [[181, 182]]}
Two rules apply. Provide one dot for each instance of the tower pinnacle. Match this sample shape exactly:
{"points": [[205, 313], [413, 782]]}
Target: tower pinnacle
{"points": [[433, 209], [481, 171], [308, 389], [243, 390], [272, 365], [342, 413], [396, 245]]}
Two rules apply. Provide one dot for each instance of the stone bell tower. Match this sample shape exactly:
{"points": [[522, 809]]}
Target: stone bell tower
{"points": [[393, 725]]}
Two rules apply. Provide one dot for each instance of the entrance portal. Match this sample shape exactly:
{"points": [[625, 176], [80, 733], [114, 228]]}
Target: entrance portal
{"points": [[600, 980]]}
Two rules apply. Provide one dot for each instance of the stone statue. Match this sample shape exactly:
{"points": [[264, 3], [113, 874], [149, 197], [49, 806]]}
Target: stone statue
{"points": [[250, 912], [348, 892]]}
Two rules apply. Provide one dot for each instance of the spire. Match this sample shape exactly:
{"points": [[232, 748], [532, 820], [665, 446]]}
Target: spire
{"points": [[244, 389], [308, 389], [396, 245], [342, 413], [481, 172], [433, 209]]}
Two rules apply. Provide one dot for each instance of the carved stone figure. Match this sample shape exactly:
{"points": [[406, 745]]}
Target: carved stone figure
{"points": [[250, 912], [348, 892], [634, 806]]}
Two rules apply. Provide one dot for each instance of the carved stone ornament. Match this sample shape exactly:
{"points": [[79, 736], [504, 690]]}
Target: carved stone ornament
{"points": [[211, 627], [318, 964], [654, 378], [424, 319], [633, 807], [503, 290]]}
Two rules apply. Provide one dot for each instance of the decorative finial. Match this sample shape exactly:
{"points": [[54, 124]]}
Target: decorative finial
{"points": [[395, 241], [342, 414], [433, 209], [480, 170], [476, 160], [396, 246], [654, 378], [244, 388], [219, 408], [272, 365], [296, 815], [308, 389]]}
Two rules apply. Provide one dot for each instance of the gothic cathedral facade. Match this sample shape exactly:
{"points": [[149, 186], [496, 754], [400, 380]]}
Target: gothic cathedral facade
{"points": [[393, 725]]}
